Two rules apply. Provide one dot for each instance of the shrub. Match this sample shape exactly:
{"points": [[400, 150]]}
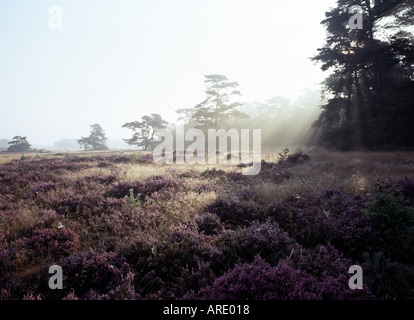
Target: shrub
{"points": [[350, 230], [124, 290], [236, 176], [6, 260], [331, 288], [393, 216], [44, 187], [213, 173], [304, 221], [93, 270], [102, 179], [248, 195], [234, 212], [321, 262], [297, 157], [52, 243], [388, 279], [262, 238], [146, 187], [277, 170], [119, 159], [208, 223], [205, 187], [148, 158], [174, 257], [131, 199], [122, 189], [334, 218], [158, 182], [259, 281], [79, 204], [404, 185]]}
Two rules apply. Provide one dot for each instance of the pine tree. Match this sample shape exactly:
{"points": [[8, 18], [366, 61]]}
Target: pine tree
{"points": [[368, 90], [96, 140], [186, 115], [144, 130], [218, 107], [19, 144]]}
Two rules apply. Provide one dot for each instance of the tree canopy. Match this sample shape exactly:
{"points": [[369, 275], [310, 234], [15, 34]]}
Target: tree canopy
{"points": [[144, 130], [370, 91], [96, 140], [19, 144], [219, 105]]}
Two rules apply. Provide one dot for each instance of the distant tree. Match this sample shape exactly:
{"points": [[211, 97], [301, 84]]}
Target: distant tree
{"points": [[68, 144], [275, 108], [19, 144], [96, 140], [144, 130], [283, 122], [218, 106]]}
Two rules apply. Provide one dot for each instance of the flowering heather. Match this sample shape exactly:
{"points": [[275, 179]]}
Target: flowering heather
{"points": [[6, 260], [213, 173], [233, 211], [94, 270], [205, 187], [52, 243], [131, 158], [122, 227], [145, 159], [209, 223], [262, 238], [145, 188], [236, 176], [332, 218], [259, 281], [248, 195]]}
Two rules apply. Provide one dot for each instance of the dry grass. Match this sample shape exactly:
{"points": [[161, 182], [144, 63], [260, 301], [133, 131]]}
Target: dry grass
{"points": [[9, 156], [185, 206], [353, 172]]}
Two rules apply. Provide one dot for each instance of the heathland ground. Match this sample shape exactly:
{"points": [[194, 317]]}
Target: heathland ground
{"points": [[123, 227]]}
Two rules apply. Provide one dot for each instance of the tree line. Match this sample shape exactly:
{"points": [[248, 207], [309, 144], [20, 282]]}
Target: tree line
{"points": [[221, 108], [370, 91]]}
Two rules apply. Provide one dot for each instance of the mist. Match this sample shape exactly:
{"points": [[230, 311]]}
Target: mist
{"points": [[70, 64]]}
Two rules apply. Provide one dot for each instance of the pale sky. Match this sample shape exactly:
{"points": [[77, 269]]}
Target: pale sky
{"points": [[115, 61]]}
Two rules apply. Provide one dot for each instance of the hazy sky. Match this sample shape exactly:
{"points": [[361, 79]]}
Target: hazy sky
{"points": [[115, 61]]}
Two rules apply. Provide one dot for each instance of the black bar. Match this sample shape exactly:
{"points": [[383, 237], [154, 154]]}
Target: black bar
{"points": [[207, 309]]}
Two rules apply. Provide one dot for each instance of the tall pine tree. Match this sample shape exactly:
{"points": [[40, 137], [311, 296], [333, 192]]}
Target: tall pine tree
{"points": [[219, 105]]}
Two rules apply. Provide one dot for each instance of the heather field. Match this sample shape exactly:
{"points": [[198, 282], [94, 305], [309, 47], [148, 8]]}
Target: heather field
{"points": [[122, 227]]}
